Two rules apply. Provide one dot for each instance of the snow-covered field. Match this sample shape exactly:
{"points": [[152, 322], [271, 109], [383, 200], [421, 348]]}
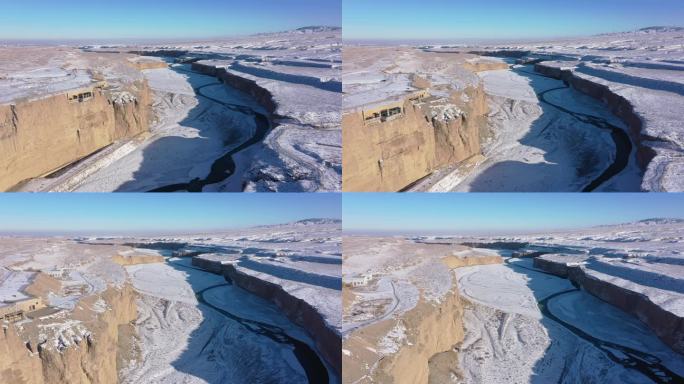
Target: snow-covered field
{"points": [[645, 68], [31, 72], [376, 75]]}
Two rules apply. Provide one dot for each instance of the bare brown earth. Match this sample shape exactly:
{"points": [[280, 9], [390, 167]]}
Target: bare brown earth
{"points": [[481, 66], [143, 63], [43, 284], [137, 259], [458, 262]]}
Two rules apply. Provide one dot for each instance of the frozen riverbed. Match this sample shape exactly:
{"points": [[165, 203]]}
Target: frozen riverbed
{"points": [[185, 340], [190, 134], [540, 140], [518, 343]]}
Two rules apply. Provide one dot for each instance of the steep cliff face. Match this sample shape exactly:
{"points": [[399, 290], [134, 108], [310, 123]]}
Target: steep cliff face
{"points": [[429, 134], [328, 342], [457, 137], [40, 136], [262, 95], [432, 328], [25, 358], [17, 363], [132, 115], [617, 104], [386, 156]]}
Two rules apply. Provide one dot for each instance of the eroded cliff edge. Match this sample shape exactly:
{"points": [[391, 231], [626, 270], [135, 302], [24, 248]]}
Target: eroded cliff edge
{"points": [[327, 339], [389, 146], [39, 136], [404, 322], [658, 311], [649, 114], [79, 354]]}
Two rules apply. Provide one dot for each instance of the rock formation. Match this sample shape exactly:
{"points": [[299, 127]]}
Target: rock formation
{"points": [[25, 357], [430, 132], [431, 329], [39, 136], [328, 341], [665, 323]]}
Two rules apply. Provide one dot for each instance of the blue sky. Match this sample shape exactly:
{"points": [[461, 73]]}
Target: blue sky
{"points": [[131, 213], [502, 19], [500, 212], [154, 19]]}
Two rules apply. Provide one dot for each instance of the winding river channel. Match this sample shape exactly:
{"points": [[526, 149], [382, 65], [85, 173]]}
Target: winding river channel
{"points": [[316, 372], [623, 144], [647, 364], [223, 167]]}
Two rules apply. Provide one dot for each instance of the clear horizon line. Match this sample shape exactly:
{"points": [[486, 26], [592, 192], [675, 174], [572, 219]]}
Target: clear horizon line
{"points": [[508, 38], [152, 39], [511, 231]]}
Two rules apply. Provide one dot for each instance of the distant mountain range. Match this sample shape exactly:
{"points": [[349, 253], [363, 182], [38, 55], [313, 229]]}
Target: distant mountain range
{"points": [[647, 222], [305, 222], [660, 29], [318, 28], [660, 220], [318, 221], [646, 31]]}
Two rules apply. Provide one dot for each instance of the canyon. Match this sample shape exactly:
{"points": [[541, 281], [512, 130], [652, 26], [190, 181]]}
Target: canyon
{"points": [[585, 114], [128, 309], [606, 296], [268, 122], [594, 305]]}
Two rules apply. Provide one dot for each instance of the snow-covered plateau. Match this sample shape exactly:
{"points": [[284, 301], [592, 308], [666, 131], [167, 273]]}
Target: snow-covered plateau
{"points": [[146, 309], [269, 120], [596, 305]]}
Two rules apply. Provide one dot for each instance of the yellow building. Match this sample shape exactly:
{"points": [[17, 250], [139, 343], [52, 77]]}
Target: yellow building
{"points": [[17, 310]]}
